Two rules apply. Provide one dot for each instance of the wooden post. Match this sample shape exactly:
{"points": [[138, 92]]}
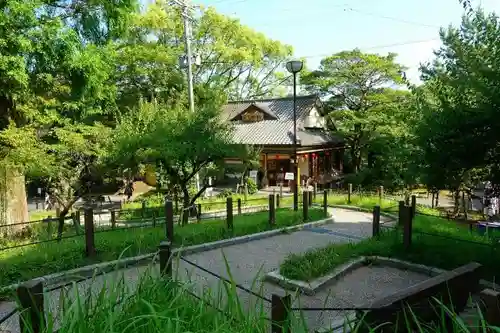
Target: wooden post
{"points": [[76, 223], [153, 213], [278, 196], [380, 193], [272, 210], [349, 193], [169, 220], [305, 205], [407, 200], [113, 219], [437, 199], [143, 209], [198, 213], [32, 316], [325, 202], [280, 312], [310, 197], [376, 221], [48, 219], [239, 206], [491, 306], [89, 232], [60, 226], [407, 227], [229, 212], [401, 213], [432, 204], [465, 205], [165, 250], [413, 205]]}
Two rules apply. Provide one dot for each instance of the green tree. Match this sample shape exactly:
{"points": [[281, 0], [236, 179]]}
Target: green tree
{"points": [[459, 132], [55, 65], [177, 141], [356, 88]]}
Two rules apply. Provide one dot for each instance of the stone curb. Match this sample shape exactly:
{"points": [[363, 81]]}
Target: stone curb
{"points": [[105, 267], [247, 238], [310, 288], [86, 271]]}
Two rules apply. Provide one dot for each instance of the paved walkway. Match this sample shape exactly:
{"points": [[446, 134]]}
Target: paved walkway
{"points": [[249, 261]]}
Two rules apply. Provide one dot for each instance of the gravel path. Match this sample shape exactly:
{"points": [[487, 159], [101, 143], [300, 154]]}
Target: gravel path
{"points": [[248, 262]]}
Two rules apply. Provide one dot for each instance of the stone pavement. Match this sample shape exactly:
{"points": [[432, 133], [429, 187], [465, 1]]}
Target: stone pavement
{"points": [[249, 261]]}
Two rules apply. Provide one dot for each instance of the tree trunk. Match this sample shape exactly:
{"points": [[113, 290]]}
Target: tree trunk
{"points": [[185, 205], [456, 197], [13, 201]]}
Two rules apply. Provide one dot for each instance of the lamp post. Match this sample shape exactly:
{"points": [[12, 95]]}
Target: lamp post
{"points": [[294, 67]]}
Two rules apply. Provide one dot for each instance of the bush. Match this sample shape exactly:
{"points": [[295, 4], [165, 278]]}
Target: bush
{"points": [[251, 186], [225, 193]]}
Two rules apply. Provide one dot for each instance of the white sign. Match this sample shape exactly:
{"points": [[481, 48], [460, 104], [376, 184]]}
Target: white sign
{"points": [[253, 173], [289, 176], [39, 191]]}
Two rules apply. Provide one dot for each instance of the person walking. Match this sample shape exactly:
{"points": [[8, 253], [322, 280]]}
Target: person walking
{"points": [[129, 190]]}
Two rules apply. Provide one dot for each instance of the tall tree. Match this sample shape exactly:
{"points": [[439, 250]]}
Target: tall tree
{"points": [[54, 71], [460, 128], [355, 84]]}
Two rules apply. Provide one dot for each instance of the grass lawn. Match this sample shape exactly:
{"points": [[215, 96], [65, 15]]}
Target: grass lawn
{"points": [[27, 262]]}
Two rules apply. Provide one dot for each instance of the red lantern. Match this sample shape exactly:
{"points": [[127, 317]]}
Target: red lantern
{"points": [[314, 155], [277, 157]]}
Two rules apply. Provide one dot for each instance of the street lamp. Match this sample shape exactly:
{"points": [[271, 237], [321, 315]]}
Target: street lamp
{"points": [[294, 67]]}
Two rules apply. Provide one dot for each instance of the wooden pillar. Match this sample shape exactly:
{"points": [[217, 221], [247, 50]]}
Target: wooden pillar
{"points": [[229, 213], [407, 227], [89, 233], [113, 219], [165, 250], [169, 220], [401, 213], [280, 313], [491, 306], [272, 210], [349, 193], [376, 221], [32, 316], [305, 205], [325, 202], [413, 205], [239, 206]]}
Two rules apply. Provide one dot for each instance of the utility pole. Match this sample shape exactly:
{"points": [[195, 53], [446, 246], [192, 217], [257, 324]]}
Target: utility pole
{"points": [[189, 56], [186, 7]]}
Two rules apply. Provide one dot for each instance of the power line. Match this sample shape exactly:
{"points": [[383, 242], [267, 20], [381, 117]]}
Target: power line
{"points": [[377, 47], [347, 8]]}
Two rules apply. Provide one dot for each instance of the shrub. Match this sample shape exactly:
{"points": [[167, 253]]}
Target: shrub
{"points": [[225, 193], [251, 186]]}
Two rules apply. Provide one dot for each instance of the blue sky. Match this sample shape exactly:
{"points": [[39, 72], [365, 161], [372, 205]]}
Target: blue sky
{"points": [[316, 28]]}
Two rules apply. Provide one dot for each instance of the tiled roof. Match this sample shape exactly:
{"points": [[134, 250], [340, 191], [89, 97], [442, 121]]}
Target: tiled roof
{"points": [[279, 131]]}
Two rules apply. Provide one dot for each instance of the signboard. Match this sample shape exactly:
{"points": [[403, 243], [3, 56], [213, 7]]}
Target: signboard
{"points": [[253, 173], [289, 176], [39, 190]]}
